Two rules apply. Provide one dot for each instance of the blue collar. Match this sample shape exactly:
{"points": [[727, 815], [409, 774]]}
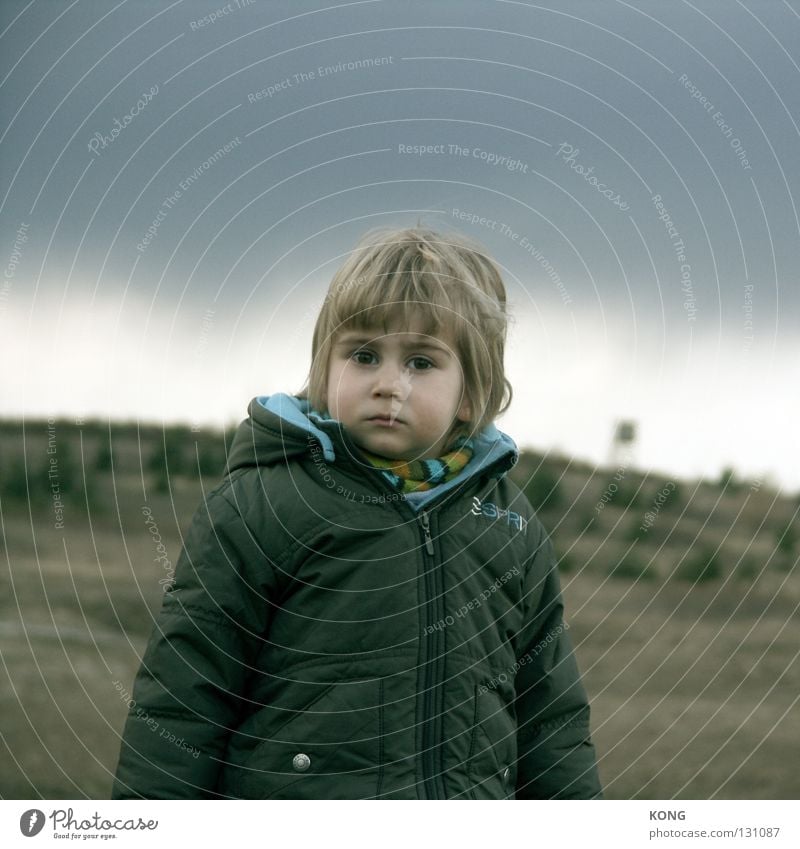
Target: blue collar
{"points": [[489, 446]]}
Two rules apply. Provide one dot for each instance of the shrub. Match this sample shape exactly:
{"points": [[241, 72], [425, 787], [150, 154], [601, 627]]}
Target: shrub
{"points": [[727, 481], [93, 497], [159, 477], [786, 539], [544, 490], [634, 532], [584, 518], [622, 494], [210, 458], [65, 471], [15, 480], [676, 497], [747, 569], [700, 566], [103, 458], [631, 567], [170, 457]]}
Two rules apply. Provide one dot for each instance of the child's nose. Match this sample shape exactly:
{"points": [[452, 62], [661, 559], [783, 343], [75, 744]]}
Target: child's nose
{"points": [[389, 379]]}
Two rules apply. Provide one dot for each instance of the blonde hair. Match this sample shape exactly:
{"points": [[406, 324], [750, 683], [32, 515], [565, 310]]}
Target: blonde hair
{"points": [[402, 275]]}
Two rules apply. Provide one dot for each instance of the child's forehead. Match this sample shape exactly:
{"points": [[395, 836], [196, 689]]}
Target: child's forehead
{"points": [[391, 322], [415, 331]]}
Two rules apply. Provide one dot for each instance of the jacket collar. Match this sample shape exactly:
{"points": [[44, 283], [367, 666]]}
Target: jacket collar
{"points": [[282, 425]]}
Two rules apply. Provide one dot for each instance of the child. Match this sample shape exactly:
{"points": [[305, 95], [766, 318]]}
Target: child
{"points": [[367, 607]]}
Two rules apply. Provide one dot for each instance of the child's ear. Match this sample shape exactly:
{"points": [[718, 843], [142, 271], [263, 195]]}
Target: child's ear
{"points": [[464, 413]]}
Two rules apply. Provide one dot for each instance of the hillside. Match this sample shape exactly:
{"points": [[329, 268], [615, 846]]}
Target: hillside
{"points": [[682, 598]]}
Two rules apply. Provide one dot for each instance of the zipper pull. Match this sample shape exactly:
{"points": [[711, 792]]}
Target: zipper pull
{"points": [[426, 526]]}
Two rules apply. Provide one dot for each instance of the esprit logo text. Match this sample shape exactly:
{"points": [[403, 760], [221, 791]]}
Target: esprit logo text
{"points": [[492, 511]]}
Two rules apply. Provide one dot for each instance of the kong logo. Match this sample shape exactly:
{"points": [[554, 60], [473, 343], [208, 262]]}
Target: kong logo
{"points": [[31, 822], [492, 511]]}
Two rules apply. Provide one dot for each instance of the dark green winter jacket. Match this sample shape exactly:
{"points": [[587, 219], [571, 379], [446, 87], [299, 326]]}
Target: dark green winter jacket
{"points": [[329, 638]]}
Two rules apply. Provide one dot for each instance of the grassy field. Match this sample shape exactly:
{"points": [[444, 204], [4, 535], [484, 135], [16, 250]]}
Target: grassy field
{"points": [[682, 599]]}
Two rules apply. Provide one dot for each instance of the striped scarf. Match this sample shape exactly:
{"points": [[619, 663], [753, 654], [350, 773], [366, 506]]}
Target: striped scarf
{"points": [[420, 475]]}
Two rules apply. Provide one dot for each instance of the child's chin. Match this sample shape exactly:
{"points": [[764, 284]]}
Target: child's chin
{"points": [[383, 451], [385, 455]]}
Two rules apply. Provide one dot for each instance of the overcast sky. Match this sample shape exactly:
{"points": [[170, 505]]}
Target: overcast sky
{"points": [[180, 180]]}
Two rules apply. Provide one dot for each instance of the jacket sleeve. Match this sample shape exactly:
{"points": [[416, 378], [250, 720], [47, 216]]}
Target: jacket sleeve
{"points": [[556, 758], [188, 691]]}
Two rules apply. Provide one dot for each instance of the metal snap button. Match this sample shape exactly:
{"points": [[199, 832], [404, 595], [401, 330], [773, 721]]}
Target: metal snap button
{"points": [[301, 762]]}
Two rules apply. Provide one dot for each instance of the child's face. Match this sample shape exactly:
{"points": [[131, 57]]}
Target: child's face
{"points": [[398, 393]]}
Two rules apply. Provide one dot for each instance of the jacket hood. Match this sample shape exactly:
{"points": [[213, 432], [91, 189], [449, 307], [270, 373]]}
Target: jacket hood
{"points": [[281, 427]]}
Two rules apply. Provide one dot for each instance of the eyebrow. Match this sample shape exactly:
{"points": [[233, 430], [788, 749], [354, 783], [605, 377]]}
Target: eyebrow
{"points": [[348, 340]]}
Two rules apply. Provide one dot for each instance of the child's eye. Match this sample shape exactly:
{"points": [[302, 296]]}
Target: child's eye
{"points": [[363, 357], [421, 363]]}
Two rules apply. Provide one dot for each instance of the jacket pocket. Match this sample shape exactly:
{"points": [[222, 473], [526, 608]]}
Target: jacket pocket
{"points": [[330, 750], [492, 763]]}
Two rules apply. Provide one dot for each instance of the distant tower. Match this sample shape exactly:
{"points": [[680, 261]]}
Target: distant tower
{"points": [[623, 444]]}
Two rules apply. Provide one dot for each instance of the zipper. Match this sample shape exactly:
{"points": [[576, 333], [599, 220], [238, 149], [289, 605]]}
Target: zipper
{"points": [[433, 646], [432, 663], [426, 529], [433, 658]]}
